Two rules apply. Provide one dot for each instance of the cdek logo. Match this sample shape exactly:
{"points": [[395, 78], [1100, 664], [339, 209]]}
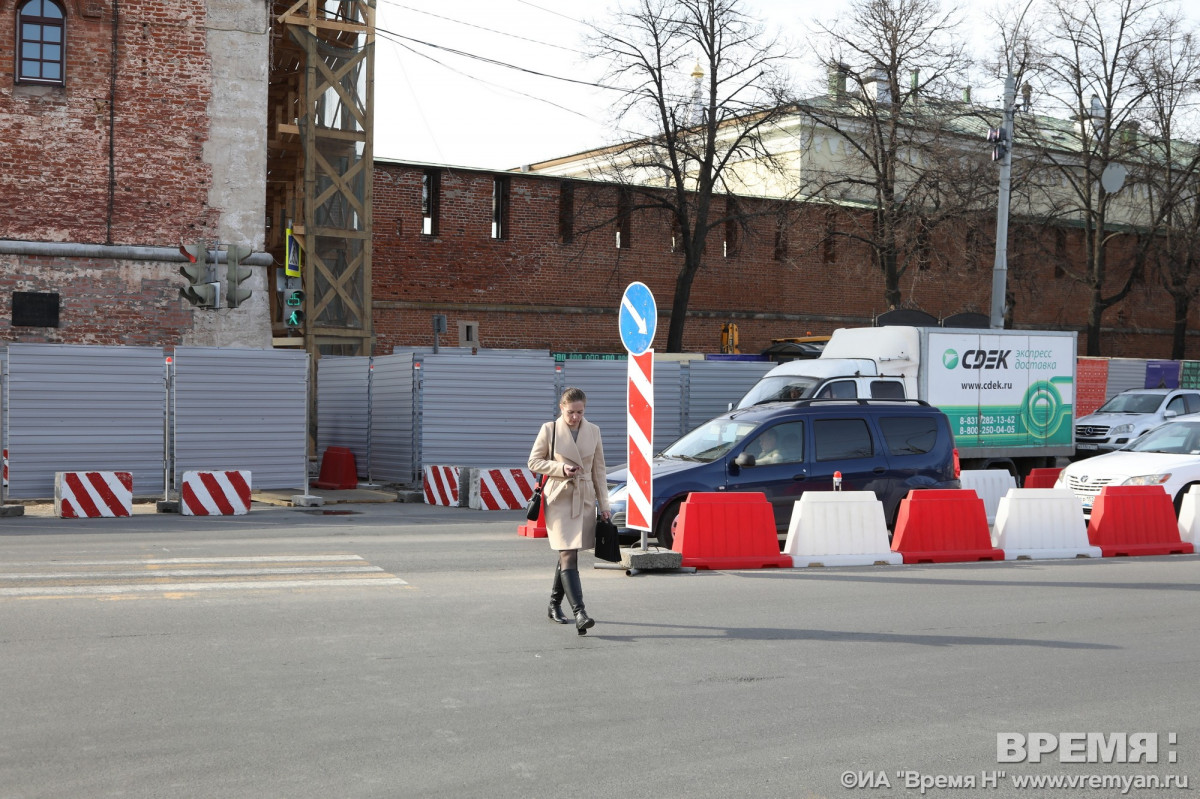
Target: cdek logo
{"points": [[977, 359]]}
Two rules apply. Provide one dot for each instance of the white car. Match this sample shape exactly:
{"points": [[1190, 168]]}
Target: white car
{"points": [[1168, 456]]}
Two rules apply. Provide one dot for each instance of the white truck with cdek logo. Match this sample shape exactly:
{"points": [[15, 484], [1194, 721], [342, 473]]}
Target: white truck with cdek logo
{"points": [[1009, 394]]}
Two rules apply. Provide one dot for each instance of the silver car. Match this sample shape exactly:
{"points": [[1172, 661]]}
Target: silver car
{"points": [[1128, 415]]}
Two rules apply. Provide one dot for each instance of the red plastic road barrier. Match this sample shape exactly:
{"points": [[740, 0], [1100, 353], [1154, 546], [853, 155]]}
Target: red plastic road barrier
{"points": [[1135, 520], [943, 526], [338, 470], [1041, 478], [535, 529], [728, 531]]}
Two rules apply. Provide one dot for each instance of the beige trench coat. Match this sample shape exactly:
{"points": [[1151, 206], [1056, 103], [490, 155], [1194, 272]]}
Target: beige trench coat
{"points": [[571, 502]]}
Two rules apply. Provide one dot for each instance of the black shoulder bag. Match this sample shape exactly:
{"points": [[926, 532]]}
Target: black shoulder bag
{"points": [[534, 508]]}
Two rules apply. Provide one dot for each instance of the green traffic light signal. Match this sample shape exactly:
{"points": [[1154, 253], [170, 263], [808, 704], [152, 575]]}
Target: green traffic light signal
{"points": [[294, 300]]}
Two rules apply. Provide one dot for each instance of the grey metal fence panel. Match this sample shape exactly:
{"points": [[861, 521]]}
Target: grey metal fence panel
{"points": [[604, 384], [1124, 374], [84, 408], [712, 385], [4, 419], [242, 409], [393, 420], [343, 407], [668, 403], [483, 410]]}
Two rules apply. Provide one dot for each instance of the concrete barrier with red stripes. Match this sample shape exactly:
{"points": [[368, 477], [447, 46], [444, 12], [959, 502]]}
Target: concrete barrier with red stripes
{"points": [[441, 484], [89, 495], [500, 489], [215, 493]]}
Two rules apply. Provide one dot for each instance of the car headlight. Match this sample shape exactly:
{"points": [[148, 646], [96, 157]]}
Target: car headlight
{"points": [[1121, 430], [1147, 480]]}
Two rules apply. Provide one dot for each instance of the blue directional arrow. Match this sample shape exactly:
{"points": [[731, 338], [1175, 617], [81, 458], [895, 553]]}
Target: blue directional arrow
{"points": [[638, 318]]}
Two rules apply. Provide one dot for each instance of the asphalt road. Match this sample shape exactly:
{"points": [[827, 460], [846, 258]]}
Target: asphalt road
{"points": [[403, 651]]}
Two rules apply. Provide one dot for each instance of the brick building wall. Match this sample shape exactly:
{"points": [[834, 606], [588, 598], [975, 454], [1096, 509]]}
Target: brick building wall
{"points": [[160, 184], [533, 290]]}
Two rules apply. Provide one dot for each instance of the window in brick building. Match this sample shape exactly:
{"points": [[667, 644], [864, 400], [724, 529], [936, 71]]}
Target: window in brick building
{"points": [[41, 40], [923, 248], [781, 240], [500, 189], [829, 242], [1060, 253], [973, 247], [731, 228], [431, 196], [566, 212], [624, 216], [676, 234]]}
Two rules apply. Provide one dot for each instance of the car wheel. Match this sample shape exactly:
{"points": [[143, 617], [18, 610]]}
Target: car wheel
{"points": [[664, 531]]}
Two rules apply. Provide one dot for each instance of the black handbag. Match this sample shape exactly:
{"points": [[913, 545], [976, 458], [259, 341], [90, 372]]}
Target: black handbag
{"points": [[608, 545], [534, 509]]}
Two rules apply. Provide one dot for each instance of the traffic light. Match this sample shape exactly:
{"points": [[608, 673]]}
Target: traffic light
{"points": [[999, 138], [293, 307], [203, 290], [235, 275]]}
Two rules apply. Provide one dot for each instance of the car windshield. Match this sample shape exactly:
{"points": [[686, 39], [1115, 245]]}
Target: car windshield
{"points": [[710, 440], [1132, 403], [1173, 439], [780, 388]]}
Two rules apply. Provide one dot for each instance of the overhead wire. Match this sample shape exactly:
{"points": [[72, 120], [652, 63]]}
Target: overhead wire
{"points": [[483, 28]]}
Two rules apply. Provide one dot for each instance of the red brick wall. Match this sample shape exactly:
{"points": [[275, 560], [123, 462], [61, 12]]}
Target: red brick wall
{"points": [[54, 160], [531, 291], [100, 301]]}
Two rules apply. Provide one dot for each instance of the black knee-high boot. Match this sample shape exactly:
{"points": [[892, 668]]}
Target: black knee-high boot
{"points": [[574, 592], [556, 597]]}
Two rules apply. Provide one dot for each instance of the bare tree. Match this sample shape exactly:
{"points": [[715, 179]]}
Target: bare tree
{"points": [[1170, 170], [892, 122], [707, 86], [1089, 95]]}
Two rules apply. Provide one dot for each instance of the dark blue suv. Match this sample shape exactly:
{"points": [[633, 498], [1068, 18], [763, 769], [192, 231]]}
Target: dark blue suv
{"points": [[783, 449]]}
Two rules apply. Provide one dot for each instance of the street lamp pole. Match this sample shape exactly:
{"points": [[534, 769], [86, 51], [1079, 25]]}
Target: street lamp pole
{"points": [[1004, 147]]}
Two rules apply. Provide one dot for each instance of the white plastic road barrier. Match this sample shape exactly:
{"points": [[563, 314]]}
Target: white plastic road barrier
{"points": [[1189, 517], [991, 485], [500, 489], [90, 495], [1039, 523], [441, 485], [215, 493], [839, 528]]}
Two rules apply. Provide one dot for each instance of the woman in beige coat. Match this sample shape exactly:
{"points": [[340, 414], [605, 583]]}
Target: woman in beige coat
{"points": [[569, 452]]}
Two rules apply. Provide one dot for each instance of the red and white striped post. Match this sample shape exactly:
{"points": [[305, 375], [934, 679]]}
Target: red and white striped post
{"points": [[638, 319], [640, 424]]}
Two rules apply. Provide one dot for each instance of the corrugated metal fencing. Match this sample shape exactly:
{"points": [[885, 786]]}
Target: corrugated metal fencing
{"points": [[73, 408], [241, 409], [95, 408], [482, 410]]}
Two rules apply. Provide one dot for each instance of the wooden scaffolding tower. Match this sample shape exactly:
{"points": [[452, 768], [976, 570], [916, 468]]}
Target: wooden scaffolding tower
{"points": [[319, 164]]}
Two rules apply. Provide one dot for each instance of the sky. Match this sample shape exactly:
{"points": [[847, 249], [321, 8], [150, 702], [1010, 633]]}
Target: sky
{"points": [[434, 105], [438, 98]]}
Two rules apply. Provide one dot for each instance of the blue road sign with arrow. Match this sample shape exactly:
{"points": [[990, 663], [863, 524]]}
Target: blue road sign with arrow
{"points": [[638, 317]]}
